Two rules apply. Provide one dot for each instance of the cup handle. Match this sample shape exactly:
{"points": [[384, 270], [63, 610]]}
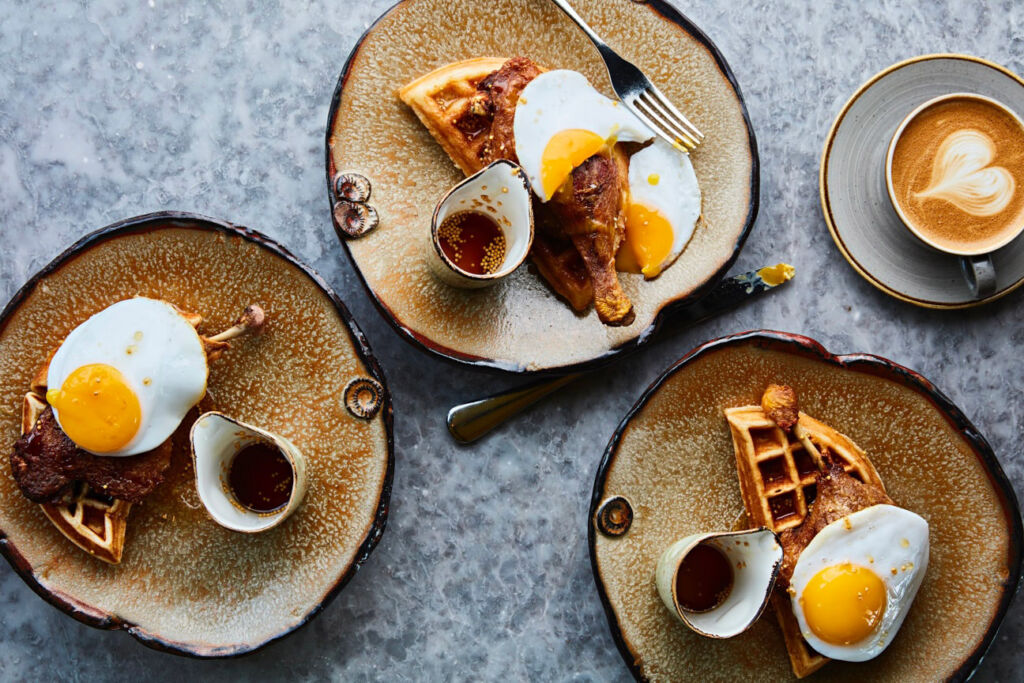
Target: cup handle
{"points": [[980, 273]]}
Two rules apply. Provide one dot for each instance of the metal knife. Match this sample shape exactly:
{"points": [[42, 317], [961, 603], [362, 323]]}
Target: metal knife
{"points": [[468, 422]]}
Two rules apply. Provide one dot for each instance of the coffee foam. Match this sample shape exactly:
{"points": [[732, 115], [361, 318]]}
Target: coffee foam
{"points": [[964, 176], [958, 174]]}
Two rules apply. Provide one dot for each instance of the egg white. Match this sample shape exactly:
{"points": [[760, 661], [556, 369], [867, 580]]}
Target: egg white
{"points": [[157, 351], [662, 178], [564, 100], [881, 538]]}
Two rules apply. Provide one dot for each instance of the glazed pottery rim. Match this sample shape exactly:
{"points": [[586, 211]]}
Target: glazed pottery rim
{"points": [[891, 151], [858, 362], [91, 616], [826, 205], [667, 309]]}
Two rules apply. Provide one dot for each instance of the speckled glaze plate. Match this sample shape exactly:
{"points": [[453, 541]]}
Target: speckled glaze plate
{"points": [[519, 324], [857, 209], [672, 460], [184, 583]]}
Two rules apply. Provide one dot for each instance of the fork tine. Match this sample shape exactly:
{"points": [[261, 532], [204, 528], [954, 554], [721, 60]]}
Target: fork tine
{"points": [[659, 114], [672, 139], [673, 135], [670, 111]]}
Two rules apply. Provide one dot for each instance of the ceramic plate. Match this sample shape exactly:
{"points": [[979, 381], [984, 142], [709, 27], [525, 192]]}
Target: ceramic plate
{"points": [[672, 460], [519, 324], [184, 583], [853, 196]]}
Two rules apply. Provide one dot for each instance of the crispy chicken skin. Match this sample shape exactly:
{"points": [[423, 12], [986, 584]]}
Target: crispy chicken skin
{"points": [[839, 495], [497, 98], [592, 205], [45, 463], [779, 403], [556, 259], [588, 211]]}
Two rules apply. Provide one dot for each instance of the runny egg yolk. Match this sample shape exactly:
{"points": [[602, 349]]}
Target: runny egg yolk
{"points": [[843, 604], [565, 151], [97, 408], [649, 236]]}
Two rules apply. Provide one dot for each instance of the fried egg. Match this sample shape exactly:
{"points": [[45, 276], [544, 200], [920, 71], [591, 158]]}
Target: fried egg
{"points": [[123, 380], [665, 205], [855, 581], [561, 121]]}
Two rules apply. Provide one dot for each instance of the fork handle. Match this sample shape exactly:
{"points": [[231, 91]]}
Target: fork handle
{"points": [[594, 38]]}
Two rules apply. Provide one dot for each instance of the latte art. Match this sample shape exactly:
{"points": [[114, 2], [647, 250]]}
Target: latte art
{"points": [[956, 174], [962, 175]]}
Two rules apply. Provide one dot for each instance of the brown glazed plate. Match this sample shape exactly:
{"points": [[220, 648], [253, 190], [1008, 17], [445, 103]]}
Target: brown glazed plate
{"points": [[670, 467], [185, 584], [519, 325]]}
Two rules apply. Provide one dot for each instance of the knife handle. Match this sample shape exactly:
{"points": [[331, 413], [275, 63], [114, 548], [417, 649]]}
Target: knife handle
{"points": [[469, 421]]}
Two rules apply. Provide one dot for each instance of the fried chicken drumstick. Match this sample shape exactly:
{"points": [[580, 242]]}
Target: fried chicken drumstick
{"points": [[587, 214]]}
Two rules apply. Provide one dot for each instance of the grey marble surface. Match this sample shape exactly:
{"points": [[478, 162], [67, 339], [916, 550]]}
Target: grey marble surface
{"points": [[112, 109]]}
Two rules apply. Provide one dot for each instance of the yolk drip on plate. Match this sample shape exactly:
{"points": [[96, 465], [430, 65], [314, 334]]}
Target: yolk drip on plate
{"points": [[97, 408], [565, 151], [648, 242], [844, 603]]}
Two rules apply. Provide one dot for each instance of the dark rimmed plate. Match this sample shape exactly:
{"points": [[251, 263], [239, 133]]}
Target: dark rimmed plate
{"points": [[671, 459], [185, 584], [519, 325]]}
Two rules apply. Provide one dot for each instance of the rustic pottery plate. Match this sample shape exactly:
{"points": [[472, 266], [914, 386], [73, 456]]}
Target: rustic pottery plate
{"points": [[671, 466], [519, 324], [186, 584], [857, 208]]}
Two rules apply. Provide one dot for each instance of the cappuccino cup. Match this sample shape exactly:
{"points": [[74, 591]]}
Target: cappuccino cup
{"points": [[954, 172]]}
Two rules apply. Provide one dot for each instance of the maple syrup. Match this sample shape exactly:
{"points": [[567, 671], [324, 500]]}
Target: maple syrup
{"points": [[473, 241], [704, 579], [261, 478]]}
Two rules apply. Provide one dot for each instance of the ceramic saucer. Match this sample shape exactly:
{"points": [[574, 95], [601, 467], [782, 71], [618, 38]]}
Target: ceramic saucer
{"points": [[853, 197]]}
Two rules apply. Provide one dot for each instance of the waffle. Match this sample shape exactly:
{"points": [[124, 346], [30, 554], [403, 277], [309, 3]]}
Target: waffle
{"points": [[560, 265], [93, 522], [441, 97], [777, 481]]}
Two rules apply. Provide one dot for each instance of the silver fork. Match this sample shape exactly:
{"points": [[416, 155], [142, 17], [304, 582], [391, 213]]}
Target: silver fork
{"points": [[640, 95]]}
